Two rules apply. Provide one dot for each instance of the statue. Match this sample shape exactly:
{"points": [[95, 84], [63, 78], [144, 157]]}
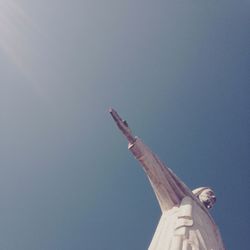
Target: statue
{"points": [[185, 223]]}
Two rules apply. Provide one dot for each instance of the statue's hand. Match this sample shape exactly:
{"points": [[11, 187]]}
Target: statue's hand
{"points": [[123, 126]]}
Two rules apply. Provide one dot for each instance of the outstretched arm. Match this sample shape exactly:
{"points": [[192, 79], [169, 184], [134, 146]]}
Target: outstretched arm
{"points": [[169, 189]]}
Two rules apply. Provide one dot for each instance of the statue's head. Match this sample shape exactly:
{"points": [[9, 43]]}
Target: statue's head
{"points": [[206, 196]]}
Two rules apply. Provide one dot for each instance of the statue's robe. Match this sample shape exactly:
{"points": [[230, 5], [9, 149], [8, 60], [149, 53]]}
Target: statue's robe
{"points": [[185, 223]]}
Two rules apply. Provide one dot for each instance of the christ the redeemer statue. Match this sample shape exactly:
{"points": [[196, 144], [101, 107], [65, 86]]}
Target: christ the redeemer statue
{"points": [[185, 223]]}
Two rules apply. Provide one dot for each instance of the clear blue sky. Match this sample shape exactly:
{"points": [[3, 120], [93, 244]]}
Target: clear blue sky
{"points": [[178, 71]]}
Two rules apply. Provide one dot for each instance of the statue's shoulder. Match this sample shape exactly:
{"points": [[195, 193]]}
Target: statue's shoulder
{"points": [[186, 201], [190, 207]]}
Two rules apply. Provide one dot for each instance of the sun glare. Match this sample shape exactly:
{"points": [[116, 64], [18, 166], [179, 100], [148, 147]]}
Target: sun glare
{"points": [[16, 32], [13, 26]]}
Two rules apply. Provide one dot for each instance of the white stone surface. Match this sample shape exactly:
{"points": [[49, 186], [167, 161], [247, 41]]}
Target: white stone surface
{"points": [[185, 223]]}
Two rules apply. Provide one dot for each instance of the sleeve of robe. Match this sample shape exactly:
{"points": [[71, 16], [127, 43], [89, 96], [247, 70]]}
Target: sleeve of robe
{"points": [[169, 189]]}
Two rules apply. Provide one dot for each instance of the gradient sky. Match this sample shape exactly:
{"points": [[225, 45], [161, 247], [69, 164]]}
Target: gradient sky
{"points": [[177, 71]]}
